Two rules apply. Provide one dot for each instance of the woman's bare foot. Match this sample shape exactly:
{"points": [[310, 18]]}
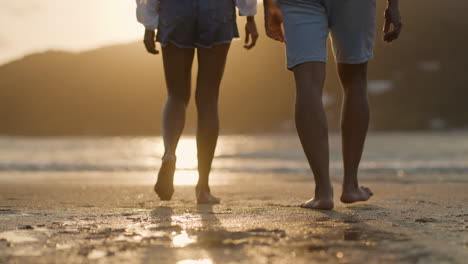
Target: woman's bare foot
{"points": [[359, 194], [204, 196], [164, 186], [323, 200]]}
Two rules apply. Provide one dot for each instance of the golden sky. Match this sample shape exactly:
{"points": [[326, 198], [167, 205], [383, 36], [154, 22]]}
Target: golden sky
{"points": [[28, 26]]}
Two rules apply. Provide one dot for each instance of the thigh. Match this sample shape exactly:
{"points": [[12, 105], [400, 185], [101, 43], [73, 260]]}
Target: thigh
{"points": [[306, 31], [211, 64], [352, 26], [178, 69], [310, 78]]}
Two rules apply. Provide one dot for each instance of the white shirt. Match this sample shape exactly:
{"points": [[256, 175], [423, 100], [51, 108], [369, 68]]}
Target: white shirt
{"points": [[147, 11]]}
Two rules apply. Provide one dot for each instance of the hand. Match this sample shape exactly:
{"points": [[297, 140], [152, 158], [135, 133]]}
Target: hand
{"points": [[150, 41], [273, 21], [250, 32], [392, 18]]}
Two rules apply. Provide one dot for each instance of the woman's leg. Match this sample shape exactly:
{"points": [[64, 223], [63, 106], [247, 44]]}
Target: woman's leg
{"points": [[177, 69], [211, 63], [311, 124]]}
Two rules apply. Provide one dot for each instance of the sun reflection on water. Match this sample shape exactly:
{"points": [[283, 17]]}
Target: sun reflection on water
{"points": [[182, 240], [187, 154], [187, 163], [185, 177]]}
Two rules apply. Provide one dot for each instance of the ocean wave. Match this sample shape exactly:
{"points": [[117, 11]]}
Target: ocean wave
{"points": [[77, 167]]}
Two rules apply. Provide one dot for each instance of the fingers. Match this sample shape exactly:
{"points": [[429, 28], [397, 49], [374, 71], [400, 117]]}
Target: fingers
{"points": [[390, 36], [273, 26], [151, 47], [253, 43], [392, 19], [247, 36], [386, 25], [251, 35], [276, 34], [149, 41]]}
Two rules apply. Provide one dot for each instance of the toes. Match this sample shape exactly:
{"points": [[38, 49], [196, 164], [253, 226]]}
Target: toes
{"points": [[367, 190], [207, 198], [307, 204], [165, 194], [318, 204]]}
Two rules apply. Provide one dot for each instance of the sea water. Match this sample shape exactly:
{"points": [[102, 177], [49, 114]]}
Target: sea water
{"points": [[416, 156]]}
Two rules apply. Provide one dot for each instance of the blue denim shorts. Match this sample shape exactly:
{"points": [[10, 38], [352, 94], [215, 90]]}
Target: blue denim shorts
{"points": [[197, 23], [307, 24]]}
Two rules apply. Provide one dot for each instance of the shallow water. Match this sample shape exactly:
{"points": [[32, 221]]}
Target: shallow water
{"points": [[388, 156]]}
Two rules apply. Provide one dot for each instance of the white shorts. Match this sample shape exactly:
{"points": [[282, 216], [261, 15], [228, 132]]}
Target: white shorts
{"points": [[307, 24]]}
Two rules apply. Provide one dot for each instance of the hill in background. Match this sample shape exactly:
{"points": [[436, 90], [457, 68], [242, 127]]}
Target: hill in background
{"points": [[419, 82]]}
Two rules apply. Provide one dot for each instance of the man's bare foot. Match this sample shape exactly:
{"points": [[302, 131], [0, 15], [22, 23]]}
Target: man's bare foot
{"points": [[204, 196], [356, 194], [323, 199], [164, 186], [319, 204]]}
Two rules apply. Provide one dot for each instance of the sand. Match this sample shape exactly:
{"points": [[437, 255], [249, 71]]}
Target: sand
{"points": [[257, 222]]}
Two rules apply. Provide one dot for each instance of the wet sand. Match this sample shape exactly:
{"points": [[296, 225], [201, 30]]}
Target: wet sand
{"points": [[257, 222]]}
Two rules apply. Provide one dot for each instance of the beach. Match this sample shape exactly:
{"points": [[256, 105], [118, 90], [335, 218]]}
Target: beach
{"points": [[77, 209]]}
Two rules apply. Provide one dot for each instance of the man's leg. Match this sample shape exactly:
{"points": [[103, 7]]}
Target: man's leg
{"points": [[211, 62], [177, 69], [311, 124], [354, 125]]}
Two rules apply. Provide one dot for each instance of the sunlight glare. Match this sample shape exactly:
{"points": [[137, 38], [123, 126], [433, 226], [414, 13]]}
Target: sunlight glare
{"points": [[181, 240], [186, 173], [187, 154]]}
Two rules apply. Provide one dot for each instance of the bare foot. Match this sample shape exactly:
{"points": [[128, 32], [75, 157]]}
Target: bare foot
{"points": [[204, 196], [323, 199], [164, 186], [320, 204], [356, 195]]}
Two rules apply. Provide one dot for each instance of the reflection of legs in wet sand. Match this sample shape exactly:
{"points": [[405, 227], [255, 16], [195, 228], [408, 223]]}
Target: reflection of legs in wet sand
{"points": [[177, 67], [208, 218]]}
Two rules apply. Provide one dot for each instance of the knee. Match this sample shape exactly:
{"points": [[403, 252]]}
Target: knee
{"points": [[310, 112], [180, 98], [206, 102], [309, 102], [312, 120], [353, 75]]}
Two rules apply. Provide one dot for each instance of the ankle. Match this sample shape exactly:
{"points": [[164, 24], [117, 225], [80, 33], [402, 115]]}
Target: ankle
{"points": [[202, 188], [324, 191], [168, 156], [349, 187]]}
